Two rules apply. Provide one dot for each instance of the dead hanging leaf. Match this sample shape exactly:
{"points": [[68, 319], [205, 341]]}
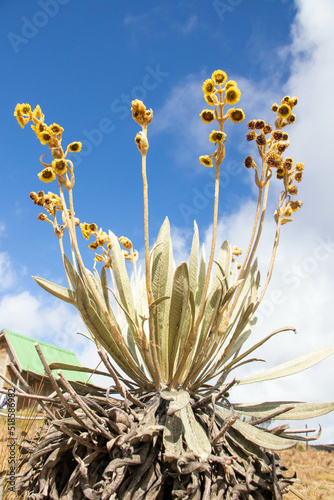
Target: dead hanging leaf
{"points": [[172, 437], [194, 434]]}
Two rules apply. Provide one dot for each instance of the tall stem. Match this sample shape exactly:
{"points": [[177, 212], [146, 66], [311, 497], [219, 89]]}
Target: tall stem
{"points": [[213, 245], [146, 232], [271, 265], [153, 347]]}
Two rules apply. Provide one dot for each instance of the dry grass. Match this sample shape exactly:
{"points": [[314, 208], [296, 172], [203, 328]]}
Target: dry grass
{"points": [[23, 427], [316, 471]]}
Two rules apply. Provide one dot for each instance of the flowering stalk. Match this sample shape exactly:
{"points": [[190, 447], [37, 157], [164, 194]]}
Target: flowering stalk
{"points": [[232, 96], [144, 117]]}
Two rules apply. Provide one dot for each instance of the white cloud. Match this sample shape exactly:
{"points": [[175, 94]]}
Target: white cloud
{"points": [[7, 274], [46, 319]]}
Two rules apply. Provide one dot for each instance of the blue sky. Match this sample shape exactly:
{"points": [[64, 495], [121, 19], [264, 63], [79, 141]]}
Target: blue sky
{"points": [[83, 62]]}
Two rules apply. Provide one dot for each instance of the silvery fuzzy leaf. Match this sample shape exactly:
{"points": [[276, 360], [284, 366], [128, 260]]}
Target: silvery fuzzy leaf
{"points": [[201, 279], [260, 437], [58, 291], [194, 434], [122, 278], [290, 367], [172, 438], [161, 279], [301, 410], [179, 307], [193, 260]]}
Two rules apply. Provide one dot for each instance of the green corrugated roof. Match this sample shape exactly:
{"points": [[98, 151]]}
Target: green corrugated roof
{"points": [[29, 360]]}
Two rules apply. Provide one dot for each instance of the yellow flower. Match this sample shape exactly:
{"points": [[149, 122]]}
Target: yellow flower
{"points": [[125, 242], [93, 246], [74, 147], [295, 205], [207, 116], [59, 166], [284, 111], [22, 109], [47, 175], [206, 161], [21, 120], [219, 76], [42, 217], [208, 87], [37, 113], [85, 229], [293, 190], [55, 200], [274, 160], [230, 83], [300, 166], [236, 115], [232, 95], [55, 129], [44, 137], [216, 136], [39, 128], [211, 99]]}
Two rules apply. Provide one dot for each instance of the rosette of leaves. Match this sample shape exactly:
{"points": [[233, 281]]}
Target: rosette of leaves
{"points": [[184, 438]]}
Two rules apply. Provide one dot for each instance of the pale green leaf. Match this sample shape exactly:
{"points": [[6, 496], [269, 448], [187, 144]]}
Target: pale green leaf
{"points": [[193, 260], [201, 279], [161, 278], [194, 434], [58, 291], [104, 285], [290, 367], [172, 438], [179, 306], [260, 437], [156, 302], [122, 278], [301, 410], [70, 271], [222, 270]]}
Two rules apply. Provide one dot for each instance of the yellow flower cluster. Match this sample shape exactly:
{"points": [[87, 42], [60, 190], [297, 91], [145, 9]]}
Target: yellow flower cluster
{"points": [[51, 135], [52, 204], [218, 92], [101, 237], [129, 253], [284, 111], [271, 145]]}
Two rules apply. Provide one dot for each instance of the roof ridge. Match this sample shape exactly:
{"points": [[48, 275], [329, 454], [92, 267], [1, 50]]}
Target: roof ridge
{"points": [[11, 332]]}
